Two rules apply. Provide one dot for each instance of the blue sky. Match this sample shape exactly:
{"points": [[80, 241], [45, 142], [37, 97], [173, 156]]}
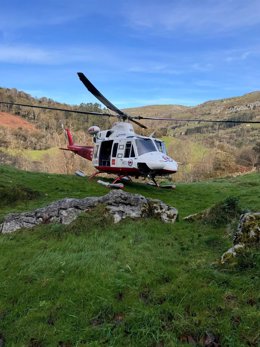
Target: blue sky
{"points": [[135, 52]]}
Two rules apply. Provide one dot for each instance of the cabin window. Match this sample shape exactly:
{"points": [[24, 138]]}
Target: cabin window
{"points": [[114, 152], [132, 155], [161, 146], [144, 146], [96, 151], [129, 150]]}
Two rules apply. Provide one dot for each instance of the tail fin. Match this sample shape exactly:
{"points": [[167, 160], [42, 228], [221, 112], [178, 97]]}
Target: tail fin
{"points": [[70, 139]]}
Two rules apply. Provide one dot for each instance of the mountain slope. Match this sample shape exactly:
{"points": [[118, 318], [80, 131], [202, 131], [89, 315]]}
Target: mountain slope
{"points": [[15, 122], [247, 103]]}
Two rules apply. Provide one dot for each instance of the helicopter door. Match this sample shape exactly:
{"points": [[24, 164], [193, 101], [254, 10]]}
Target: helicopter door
{"points": [[105, 153]]}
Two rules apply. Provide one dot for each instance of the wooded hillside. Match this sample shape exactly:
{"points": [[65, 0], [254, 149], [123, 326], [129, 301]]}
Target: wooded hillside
{"points": [[203, 149]]}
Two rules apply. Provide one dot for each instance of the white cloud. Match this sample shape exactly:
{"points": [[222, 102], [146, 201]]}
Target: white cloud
{"points": [[236, 56], [20, 54], [193, 16], [24, 54]]}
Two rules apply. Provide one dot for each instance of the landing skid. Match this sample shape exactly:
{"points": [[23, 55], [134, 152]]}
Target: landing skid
{"points": [[122, 178], [116, 184], [164, 186], [111, 185]]}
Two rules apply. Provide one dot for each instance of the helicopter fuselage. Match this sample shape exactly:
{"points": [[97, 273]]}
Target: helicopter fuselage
{"points": [[121, 151]]}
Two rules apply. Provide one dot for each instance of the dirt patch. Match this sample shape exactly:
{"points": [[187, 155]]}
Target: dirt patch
{"points": [[14, 122]]}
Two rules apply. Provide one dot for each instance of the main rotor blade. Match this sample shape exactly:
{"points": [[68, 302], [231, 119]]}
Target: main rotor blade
{"points": [[59, 109], [137, 123], [197, 120], [93, 90]]}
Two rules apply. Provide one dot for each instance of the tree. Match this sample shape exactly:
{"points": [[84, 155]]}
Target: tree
{"points": [[248, 157]]}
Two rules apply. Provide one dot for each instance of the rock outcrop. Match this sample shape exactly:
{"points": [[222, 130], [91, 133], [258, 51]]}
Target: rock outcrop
{"points": [[245, 107], [248, 230], [247, 235], [118, 203]]}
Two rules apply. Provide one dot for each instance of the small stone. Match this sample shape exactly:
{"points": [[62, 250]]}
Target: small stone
{"points": [[232, 253]]}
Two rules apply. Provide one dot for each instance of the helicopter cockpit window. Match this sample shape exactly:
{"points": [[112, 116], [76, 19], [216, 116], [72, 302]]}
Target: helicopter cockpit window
{"points": [[161, 146], [145, 146]]}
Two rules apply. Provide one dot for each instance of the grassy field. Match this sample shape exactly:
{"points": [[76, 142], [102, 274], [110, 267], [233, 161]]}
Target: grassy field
{"points": [[136, 283], [31, 154]]}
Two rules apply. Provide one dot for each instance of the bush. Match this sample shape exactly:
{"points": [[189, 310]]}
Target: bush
{"points": [[224, 212], [11, 195]]}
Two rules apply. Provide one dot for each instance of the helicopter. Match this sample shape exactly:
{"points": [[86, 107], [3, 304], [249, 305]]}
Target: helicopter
{"points": [[119, 150]]}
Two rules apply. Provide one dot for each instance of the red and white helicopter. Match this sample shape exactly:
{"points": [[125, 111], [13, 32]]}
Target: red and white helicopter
{"points": [[119, 150]]}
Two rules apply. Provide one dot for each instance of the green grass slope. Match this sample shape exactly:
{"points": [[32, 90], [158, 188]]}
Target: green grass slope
{"points": [[136, 283]]}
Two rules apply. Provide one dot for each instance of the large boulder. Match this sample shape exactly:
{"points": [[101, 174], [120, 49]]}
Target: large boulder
{"points": [[118, 203]]}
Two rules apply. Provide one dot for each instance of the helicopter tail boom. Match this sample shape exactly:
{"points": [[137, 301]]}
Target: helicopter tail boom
{"points": [[83, 151]]}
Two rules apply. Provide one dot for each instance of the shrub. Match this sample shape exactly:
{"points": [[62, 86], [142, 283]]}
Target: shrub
{"points": [[11, 195], [224, 212]]}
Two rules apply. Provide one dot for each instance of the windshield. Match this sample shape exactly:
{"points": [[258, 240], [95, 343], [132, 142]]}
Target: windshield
{"points": [[145, 146], [161, 146]]}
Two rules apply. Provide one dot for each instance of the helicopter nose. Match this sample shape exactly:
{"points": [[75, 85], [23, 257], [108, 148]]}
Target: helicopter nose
{"points": [[161, 162], [171, 166]]}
